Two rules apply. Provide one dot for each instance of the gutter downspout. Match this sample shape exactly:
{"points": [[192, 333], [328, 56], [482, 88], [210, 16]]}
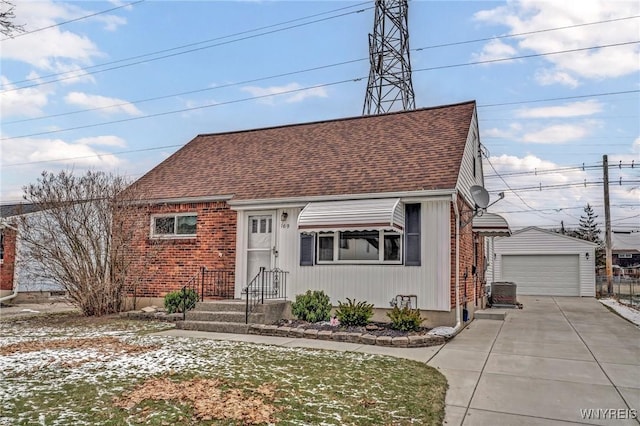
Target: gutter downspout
{"points": [[458, 327], [15, 287]]}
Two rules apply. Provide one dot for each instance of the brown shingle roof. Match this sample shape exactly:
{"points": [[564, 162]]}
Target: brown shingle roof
{"points": [[404, 151]]}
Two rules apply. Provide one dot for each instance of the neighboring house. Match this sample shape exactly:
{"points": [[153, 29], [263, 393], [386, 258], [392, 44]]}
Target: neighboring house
{"points": [[366, 207], [14, 267], [545, 263], [625, 249]]}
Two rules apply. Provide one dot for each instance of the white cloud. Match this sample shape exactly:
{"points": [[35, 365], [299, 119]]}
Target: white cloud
{"points": [[109, 105], [54, 49], [27, 102], [111, 22], [559, 133], [523, 16], [57, 152], [495, 49], [545, 134], [547, 77], [574, 109], [107, 140], [295, 92]]}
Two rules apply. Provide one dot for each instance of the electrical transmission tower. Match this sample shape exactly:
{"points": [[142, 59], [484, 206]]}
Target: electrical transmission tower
{"points": [[389, 86]]}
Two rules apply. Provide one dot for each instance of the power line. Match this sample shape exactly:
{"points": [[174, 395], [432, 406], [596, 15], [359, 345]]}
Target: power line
{"points": [[324, 67], [72, 20], [561, 209], [190, 92], [74, 73], [586, 183], [533, 55], [160, 114], [563, 98], [296, 90], [224, 103], [505, 182], [583, 168]]}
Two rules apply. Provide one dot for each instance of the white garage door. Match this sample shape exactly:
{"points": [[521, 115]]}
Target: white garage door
{"points": [[543, 275]]}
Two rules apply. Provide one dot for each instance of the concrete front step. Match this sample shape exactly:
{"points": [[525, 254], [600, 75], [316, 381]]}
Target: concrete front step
{"points": [[214, 327], [490, 314], [222, 306], [223, 316]]}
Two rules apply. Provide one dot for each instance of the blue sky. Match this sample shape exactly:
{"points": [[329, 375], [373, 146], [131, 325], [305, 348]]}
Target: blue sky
{"points": [[48, 76]]}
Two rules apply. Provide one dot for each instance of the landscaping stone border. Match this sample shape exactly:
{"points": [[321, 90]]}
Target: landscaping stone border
{"points": [[417, 341]]}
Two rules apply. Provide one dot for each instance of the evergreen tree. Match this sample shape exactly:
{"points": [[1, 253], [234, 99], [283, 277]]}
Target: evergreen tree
{"points": [[588, 228]]}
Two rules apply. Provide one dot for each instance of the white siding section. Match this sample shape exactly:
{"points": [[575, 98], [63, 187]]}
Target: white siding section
{"points": [[376, 284], [466, 177], [537, 242]]}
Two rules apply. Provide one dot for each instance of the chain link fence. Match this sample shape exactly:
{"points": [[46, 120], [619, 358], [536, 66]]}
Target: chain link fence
{"points": [[624, 288]]}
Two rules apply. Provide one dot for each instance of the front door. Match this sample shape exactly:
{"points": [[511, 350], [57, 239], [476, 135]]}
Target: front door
{"points": [[260, 244]]}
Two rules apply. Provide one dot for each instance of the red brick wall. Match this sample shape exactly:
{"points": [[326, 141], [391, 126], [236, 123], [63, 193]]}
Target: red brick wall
{"points": [[160, 266], [8, 263], [466, 255]]}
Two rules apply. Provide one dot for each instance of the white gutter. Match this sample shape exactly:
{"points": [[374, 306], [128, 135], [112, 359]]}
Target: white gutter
{"points": [[302, 201], [458, 326], [12, 295]]}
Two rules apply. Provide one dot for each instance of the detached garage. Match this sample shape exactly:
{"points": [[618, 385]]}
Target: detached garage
{"points": [[544, 263]]}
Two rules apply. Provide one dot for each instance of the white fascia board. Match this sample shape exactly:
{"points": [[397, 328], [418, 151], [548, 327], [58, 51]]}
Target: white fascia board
{"points": [[422, 195], [184, 200]]}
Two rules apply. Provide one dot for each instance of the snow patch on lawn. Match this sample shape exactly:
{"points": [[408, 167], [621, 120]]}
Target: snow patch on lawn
{"points": [[627, 312]]}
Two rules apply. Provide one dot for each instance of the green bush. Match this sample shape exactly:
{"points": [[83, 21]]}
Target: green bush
{"points": [[173, 302], [405, 319], [353, 313], [313, 306]]}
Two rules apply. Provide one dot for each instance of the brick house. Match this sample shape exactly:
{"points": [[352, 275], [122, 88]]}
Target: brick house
{"points": [[366, 207]]}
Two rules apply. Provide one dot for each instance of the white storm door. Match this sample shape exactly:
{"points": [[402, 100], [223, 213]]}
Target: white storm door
{"points": [[260, 244]]}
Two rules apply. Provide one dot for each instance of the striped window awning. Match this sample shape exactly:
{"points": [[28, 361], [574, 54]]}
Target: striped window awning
{"points": [[352, 215], [491, 225]]}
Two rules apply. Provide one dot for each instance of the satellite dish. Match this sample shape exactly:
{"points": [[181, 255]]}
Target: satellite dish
{"points": [[480, 196]]}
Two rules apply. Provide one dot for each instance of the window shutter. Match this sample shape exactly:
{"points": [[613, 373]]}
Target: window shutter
{"points": [[412, 235], [306, 249]]}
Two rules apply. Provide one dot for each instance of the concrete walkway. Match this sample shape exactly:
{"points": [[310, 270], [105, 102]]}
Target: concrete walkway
{"points": [[540, 366]]}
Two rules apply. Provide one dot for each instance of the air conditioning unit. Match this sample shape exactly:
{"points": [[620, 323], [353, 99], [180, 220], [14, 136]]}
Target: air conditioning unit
{"points": [[503, 293]]}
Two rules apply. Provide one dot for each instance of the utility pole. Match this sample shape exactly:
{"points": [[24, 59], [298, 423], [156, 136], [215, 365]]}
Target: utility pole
{"points": [[389, 87], [607, 225]]}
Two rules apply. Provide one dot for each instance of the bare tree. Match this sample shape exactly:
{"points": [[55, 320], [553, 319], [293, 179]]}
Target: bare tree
{"points": [[81, 237], [7, 19]]}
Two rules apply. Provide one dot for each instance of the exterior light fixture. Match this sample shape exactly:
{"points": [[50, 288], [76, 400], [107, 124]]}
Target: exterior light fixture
{"points": [[284, 216]]}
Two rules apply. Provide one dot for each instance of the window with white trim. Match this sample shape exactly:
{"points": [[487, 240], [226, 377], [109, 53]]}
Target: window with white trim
{"points": [[359, 247], [181, 225]]}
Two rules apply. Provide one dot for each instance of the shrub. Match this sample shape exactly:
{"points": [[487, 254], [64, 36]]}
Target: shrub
{"points": [[313, 306], [173, 302], [405, 319], [353, 313]]}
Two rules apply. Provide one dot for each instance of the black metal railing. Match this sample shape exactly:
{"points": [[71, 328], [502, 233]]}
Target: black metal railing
{"points": [[265, 285], [209, 283]]}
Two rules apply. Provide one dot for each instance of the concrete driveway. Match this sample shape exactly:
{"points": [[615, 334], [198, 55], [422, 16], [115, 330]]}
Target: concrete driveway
{"points": [[542, 365]]}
